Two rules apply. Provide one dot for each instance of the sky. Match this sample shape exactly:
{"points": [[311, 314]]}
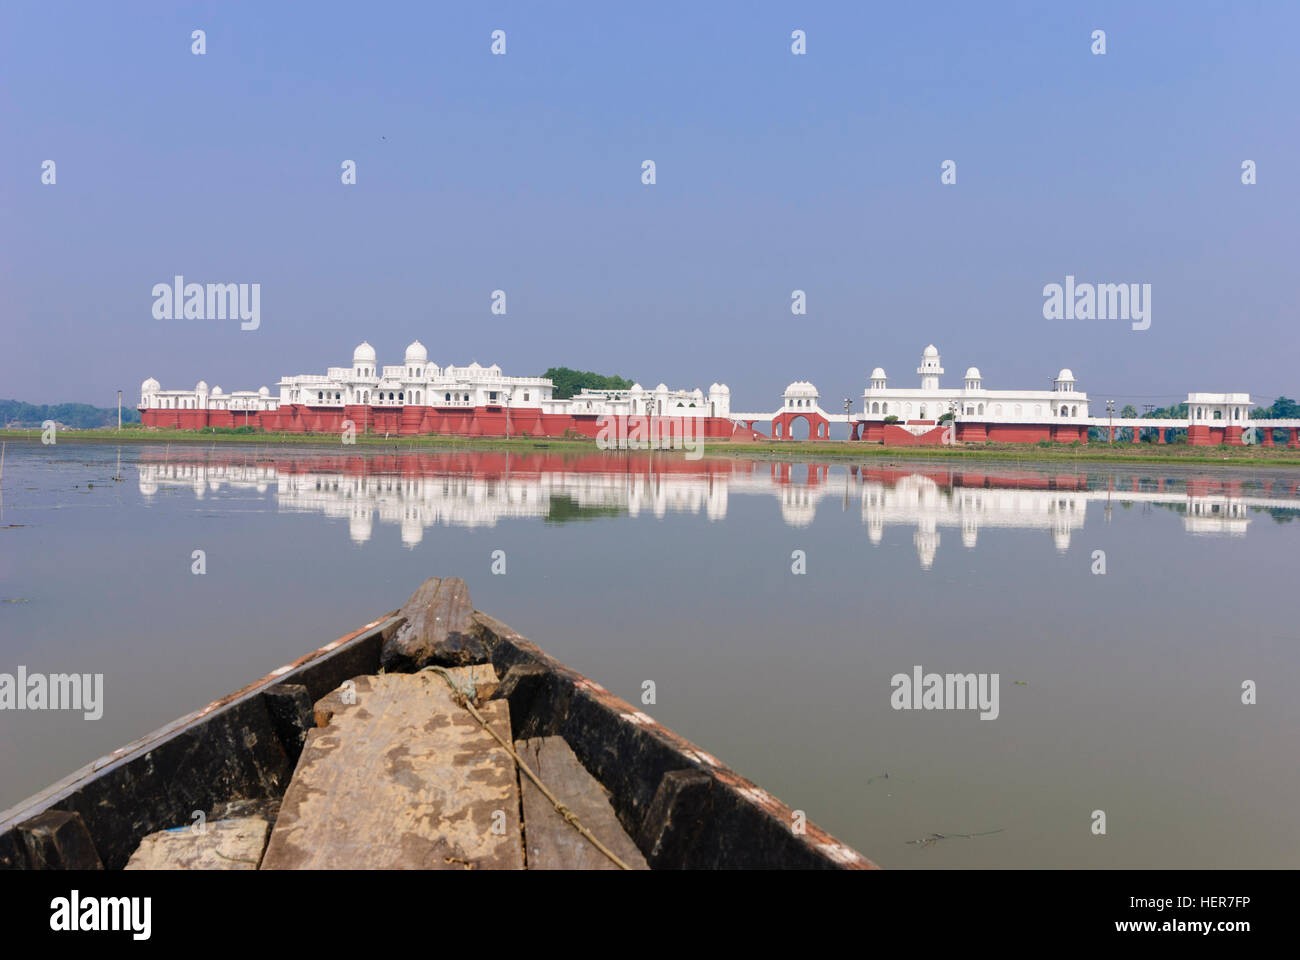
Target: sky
{"points": [[775, 172]]}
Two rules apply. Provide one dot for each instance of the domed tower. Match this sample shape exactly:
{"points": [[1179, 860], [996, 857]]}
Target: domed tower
{"points": [[801, 393], [930, 368], [363, 360], [1064, 382], [416, 359], [973, 379], [878, 379]]}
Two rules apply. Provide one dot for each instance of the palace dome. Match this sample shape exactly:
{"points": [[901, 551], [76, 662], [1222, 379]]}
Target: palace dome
{"points": [[201, 387], [878, 373], [364, 353], [931, 351], [1065, 374], [416, 353], [150, 385], [973, 373], [216, 391], [801, 388], [263, 392]]}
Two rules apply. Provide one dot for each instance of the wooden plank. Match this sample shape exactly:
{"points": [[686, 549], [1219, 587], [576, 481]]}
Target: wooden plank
{"points": [[402, 778], [223, 845], [554, 844], [59, 840], [438, 628]]}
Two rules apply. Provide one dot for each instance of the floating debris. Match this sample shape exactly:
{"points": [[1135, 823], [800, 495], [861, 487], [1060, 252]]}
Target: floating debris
{"points": [[936, 837]]}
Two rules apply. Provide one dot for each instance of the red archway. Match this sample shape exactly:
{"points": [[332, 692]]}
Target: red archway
{"points": [[819, 428]]}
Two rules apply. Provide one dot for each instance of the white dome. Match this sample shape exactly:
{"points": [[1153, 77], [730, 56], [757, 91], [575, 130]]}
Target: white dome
{"points": [[973, 373], [201, 387], [216, 391], [878, 373], [637, 388], [416, 353], [1065, 374], [263, 392], [931, 351], [364, 353], [662, 388], [150, 385], [720, 388], [801, 388]]}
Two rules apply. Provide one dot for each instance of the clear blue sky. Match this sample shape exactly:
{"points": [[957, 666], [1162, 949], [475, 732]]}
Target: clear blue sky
{"points": [[775, 172]]}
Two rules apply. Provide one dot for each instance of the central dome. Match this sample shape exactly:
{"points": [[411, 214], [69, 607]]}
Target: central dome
{"points": [[364, 353], [416, 353]]}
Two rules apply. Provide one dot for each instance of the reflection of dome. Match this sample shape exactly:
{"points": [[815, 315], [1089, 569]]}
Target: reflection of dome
{"points": [[878, 373], [1061, 537], [973, 373], [416, 353], [150, 385], [1065, 374], [364, 353], [359, 526], [931, 351]]}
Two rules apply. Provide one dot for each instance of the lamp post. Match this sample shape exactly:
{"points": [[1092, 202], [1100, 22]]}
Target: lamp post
{"points": [[507, 414], [1110, 411], [848, 416]]}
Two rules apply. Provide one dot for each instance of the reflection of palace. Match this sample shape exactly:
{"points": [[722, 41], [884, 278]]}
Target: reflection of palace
{"points": [[420, 490]]}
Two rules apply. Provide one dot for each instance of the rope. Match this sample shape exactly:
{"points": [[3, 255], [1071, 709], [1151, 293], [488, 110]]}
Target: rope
{"points": [[466, 696]]}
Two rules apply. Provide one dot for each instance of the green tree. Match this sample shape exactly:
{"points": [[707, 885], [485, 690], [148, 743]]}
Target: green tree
{"points": [[568, 382]]}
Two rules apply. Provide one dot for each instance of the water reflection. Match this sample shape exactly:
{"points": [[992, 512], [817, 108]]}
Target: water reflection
{"points": [[417, 491]]}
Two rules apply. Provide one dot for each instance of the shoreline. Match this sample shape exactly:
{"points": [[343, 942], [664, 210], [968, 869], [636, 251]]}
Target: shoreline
{"points": [[1280, 456]]}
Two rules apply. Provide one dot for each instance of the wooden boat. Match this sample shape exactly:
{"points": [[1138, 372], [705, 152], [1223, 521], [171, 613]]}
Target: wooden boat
{"points": [[346, 757]]}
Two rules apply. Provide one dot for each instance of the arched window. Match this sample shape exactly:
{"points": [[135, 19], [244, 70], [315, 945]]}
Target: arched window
{"points": [[907, 409], [1218, 414], [875, 408], [922, 411], [449, 398], [319, 395], [981, 410], [884, 408], [1074, 411], [417, 396], [390, 395], [401, 396]]}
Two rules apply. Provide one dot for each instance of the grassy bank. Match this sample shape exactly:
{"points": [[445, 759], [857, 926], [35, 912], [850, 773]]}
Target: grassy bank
{"points": [[784, 450]]}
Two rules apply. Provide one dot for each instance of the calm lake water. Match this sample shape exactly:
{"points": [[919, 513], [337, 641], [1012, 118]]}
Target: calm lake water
{"points": [[1119, 692]]}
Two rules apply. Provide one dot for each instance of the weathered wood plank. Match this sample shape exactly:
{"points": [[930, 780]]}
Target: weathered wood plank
{"points": [[59, 840], [402, 778], [439, 628], [554, 844], [223, 845]]}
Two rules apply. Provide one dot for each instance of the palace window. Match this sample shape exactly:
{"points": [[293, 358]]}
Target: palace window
{"points": [[401, 396], [525, 396], [319, 395], [448, 398]]}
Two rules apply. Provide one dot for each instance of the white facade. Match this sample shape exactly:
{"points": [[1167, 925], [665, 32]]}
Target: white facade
{"points": [[971, 401], [417, 382]]}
